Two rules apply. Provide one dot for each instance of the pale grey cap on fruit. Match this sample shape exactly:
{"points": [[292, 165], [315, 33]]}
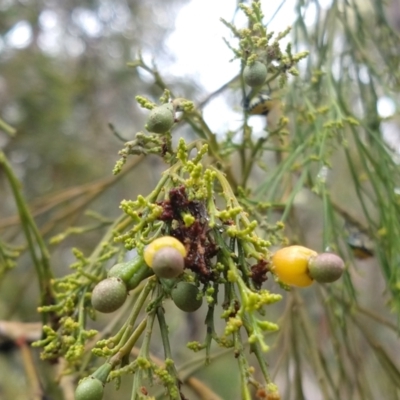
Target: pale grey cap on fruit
{"points": [[168, 262], [325, 267]]}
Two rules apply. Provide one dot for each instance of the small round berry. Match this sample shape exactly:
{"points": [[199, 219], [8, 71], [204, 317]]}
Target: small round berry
{"points": [[184, 295], [290, 265], [160, 119], [255, 74], [326, 267], [160, 243], [109, 295], [89, 388], [168, 263]]}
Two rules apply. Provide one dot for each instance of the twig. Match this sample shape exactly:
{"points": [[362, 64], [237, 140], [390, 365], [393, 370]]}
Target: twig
{"points": [[7, 128], [13, 330], [47, 203], [34, 385]]}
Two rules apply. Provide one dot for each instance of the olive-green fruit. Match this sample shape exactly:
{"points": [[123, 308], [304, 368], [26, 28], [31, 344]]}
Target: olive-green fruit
{"points": [[109, 295], [325, 267], [184, 295], [255, 74], [160, 119], [131, 272], [89, 388], [141, 274], [102, 372], [168, 263], [125, 270]]}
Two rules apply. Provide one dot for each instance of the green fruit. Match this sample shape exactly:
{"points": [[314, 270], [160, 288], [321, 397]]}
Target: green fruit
{"points": [[168, 263], [131, 272], [325, 267], [141, 274], [125, 270], [102, 372], [184, 295], [254, 75], [89, 388], [109, 295], [160, 119]]}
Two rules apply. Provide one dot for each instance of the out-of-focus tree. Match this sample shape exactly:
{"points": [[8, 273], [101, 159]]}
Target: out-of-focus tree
{"points": [[63, 82]]}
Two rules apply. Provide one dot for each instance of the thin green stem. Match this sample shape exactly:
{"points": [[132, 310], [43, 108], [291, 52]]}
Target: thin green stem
{"points": [[35, 241], [127, 347], [308, 335], [7, 128], [170, 366], [243, 366], [125, 332]]}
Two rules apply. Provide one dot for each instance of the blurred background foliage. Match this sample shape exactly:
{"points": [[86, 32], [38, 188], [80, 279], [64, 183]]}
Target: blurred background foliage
{"points": [[63, 80], [63, 83]]}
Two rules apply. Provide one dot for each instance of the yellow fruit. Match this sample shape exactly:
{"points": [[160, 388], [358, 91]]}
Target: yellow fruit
{"points": [[290, 265], [160, 243]]}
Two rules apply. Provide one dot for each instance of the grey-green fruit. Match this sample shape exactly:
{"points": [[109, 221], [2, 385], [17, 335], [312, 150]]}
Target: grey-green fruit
{"points": [[325, 267], [89, 388], [254, 75], [109, 295], [168, 263], [184, 295], [160, 119]]}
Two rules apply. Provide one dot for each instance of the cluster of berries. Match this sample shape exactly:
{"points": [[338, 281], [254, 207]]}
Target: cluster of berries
{"points": [[164, 257]]}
